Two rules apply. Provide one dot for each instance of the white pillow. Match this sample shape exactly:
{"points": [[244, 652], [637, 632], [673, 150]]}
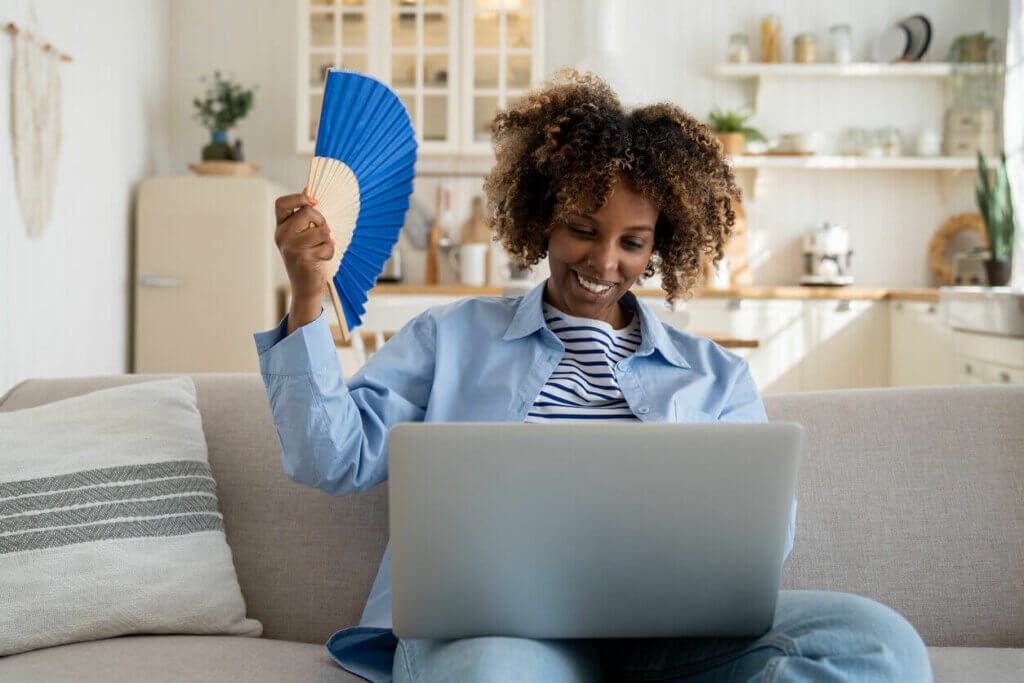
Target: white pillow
{"points": [[109, 523]]}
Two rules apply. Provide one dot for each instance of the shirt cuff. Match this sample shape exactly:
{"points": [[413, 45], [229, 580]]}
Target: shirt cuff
{"points": [[306, 350]]}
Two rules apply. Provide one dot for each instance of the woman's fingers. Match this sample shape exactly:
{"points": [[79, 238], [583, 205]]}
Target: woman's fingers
{"points": [[296, 228], [286, 205]]}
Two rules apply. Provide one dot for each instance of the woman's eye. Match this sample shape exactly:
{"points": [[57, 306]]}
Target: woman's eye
{"points": [[578, 231], [635, 245]]}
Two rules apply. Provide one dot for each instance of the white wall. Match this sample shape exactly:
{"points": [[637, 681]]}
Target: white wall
{"points": [[65, 299], [655, 49]]}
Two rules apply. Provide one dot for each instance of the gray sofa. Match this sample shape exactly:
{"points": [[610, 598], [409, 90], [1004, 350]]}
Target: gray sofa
{"points": [[912, 497]]}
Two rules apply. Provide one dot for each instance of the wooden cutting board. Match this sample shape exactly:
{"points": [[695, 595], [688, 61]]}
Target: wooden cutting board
{"points": [[740, 273]]}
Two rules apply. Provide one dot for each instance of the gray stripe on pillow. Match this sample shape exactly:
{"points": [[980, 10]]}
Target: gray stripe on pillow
{"points": [[105, 475], [107, 494], [108, 511], [156, 526]]}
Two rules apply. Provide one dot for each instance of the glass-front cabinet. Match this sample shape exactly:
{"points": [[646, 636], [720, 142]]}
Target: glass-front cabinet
{"points": [[453, 63], [501, 59]]}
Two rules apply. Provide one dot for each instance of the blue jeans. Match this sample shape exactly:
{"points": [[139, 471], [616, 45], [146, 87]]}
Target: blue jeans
{"points": [[816, 636]]}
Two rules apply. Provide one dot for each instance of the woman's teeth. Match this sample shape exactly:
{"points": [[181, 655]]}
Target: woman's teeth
{"points": [[590, 285]]}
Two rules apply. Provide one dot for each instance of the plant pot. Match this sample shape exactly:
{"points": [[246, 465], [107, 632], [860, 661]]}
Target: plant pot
{"points": [[732, 143], [998, 272], [218, 149]]}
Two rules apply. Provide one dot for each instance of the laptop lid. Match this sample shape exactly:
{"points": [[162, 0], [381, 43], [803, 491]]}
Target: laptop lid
{"points": [[570, 530]]}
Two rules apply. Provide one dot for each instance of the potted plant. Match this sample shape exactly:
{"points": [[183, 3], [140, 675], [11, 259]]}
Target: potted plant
{"points": [[730, 128], [973, 48], [225, 104], [996, 207]]}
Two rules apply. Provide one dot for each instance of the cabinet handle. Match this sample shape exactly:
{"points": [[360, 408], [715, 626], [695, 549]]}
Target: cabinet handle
{"points": [[843, 306], [932, 308], [1004, 376], [160, 281], [734, 304], [967, 368]]}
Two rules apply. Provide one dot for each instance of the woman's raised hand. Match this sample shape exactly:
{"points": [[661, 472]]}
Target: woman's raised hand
{"points": [[304, 247]]}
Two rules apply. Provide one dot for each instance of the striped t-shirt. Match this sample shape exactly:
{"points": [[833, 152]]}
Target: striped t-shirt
{"points": [[583, 386]]}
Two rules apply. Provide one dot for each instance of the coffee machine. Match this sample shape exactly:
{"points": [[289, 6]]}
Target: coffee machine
{"points": [[827, 256]]}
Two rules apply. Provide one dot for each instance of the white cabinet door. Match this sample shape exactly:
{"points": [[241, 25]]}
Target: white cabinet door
{"points": [[850, 346], [921, 346], [780, 326]]}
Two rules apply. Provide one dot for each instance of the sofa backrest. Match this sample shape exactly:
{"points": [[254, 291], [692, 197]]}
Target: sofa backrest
{"points": [[912, 497]]}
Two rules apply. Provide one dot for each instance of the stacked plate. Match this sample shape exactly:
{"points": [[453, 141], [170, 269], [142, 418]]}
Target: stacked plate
{"points": [[906, 41]]}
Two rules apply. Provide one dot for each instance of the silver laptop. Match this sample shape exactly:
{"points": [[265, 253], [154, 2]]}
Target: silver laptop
{"points": [[570, 530]]}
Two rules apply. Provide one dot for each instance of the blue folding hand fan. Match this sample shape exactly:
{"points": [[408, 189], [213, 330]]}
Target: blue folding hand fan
{"points": [[361, 178]]}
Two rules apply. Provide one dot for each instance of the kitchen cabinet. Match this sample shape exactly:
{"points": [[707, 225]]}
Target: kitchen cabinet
{"points": [[849, 344], [981, 358], [453, 63], [782, 328], [921, 345]]}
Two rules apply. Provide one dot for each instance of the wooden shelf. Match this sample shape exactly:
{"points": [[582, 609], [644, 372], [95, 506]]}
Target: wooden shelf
{"points": [[946, 168], [861, 69], [827, 161]]}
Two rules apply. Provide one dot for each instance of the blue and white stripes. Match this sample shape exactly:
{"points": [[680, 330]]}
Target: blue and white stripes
{"points": [[583, 386]]}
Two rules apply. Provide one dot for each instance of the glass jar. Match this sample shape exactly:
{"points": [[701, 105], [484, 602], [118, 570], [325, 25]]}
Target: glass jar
{"points": [[890, 140], [842, 44], [771, 48], [805, 48], [739, 48]]}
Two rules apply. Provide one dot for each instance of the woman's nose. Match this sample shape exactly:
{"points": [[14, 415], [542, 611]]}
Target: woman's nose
{"points": [[603, 258]]}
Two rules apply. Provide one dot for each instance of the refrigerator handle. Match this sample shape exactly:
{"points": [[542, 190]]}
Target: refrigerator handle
{"points": [[146, 281]]}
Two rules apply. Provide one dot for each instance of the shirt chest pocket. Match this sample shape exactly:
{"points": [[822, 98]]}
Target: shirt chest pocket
{"points": [[685, 413]]}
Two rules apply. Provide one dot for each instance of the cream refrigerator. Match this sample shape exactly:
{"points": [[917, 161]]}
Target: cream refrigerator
{"points": [[207, 273]]}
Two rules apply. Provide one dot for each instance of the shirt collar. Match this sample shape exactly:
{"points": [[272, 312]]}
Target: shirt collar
{"points": [[529, 317]]}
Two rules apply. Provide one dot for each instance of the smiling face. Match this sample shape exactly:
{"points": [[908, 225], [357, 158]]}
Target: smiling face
{"points": [[595, 259]]}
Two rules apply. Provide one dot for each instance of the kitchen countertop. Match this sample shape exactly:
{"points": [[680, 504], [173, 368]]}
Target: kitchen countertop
{"points": [[929, 294], [370, 342], [751, 292]]}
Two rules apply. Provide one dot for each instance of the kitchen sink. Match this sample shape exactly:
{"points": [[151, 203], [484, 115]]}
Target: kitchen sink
{"points": [[995, 310]]}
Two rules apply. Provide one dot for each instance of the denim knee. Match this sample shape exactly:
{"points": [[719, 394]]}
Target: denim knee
{"points": [[879, 641], [492, 659]]}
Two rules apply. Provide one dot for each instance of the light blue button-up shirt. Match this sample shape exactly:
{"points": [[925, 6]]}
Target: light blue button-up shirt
{"points": [[480, 359]]}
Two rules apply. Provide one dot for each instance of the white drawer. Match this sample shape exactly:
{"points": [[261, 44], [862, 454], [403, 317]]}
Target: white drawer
{"points": [[974, 371], [1003, 374], [990, 347], [970, 371]]}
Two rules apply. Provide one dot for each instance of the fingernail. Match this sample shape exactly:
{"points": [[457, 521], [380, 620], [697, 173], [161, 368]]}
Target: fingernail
{"points": [[328, 228], [313, 201], [332, 241]]}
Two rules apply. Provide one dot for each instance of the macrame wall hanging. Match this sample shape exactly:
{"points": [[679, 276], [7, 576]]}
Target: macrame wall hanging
{"points": [[35, 125]]}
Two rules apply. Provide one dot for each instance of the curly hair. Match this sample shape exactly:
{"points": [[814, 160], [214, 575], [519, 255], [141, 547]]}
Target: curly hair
{"points": [[559, 150]]}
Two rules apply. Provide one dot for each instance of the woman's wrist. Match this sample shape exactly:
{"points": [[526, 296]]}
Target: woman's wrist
{"points": [[303, 312]]}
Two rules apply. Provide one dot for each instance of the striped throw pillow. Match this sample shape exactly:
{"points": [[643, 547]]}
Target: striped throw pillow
{"points": [[109, 523]]}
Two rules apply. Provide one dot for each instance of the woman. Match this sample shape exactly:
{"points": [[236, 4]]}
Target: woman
{"points": [[607, 196]]}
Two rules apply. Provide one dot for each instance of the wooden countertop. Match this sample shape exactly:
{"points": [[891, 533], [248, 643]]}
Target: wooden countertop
{"points": [[369, 339], [929, 294]]}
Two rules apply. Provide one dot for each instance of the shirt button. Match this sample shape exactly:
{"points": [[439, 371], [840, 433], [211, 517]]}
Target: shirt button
{"points": [[622, 366], [643, 410]]}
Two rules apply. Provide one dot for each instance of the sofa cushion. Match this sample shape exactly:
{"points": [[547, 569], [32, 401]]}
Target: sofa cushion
{"points": [[109, 522], [155, 659], [969, 664], [305, 560], [914, 497]]}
